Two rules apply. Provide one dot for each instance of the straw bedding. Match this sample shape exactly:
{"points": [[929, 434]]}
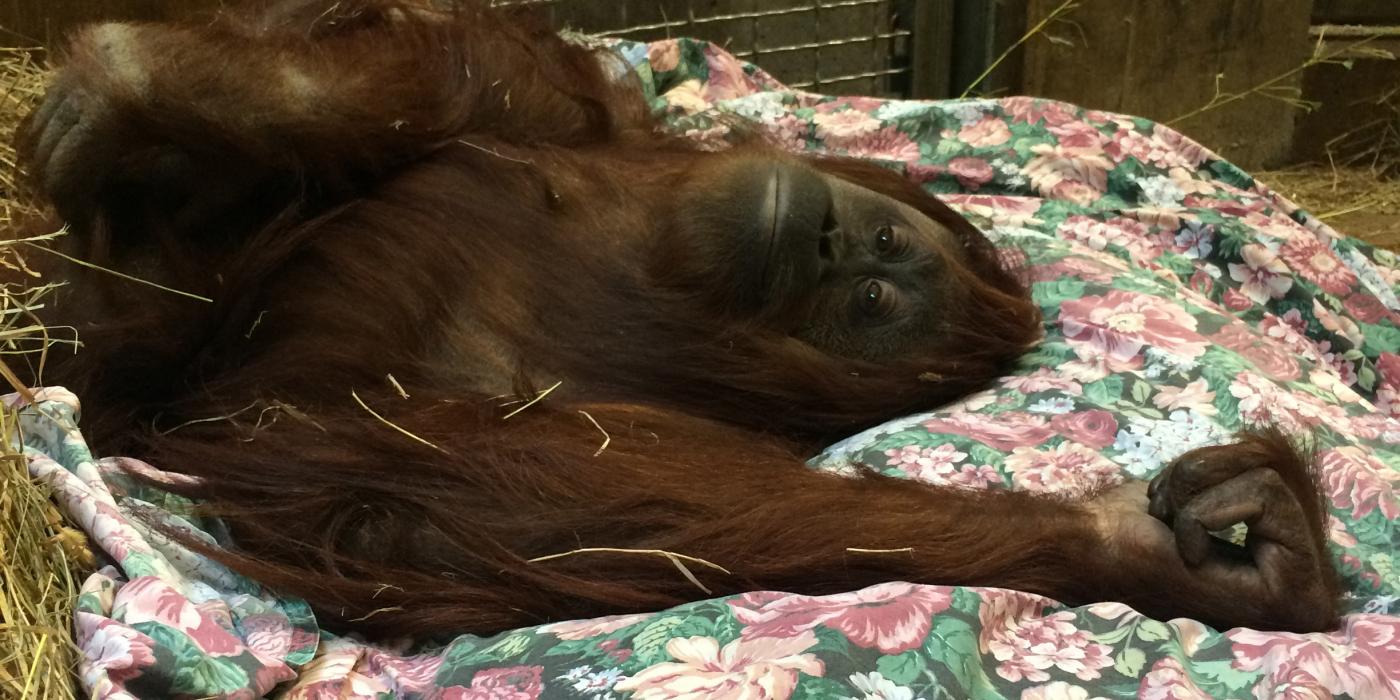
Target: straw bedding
{"points": [[39, 557]]}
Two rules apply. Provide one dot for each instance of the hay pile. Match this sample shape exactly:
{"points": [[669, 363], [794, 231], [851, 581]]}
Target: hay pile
{"points": [[1360, 201], [39, 558]]}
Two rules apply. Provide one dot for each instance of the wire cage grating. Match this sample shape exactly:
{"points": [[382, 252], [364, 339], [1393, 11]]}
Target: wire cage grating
{"points": [[836, 46]]}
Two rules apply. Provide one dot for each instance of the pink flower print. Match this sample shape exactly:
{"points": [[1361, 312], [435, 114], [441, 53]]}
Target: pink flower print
{"points": [[1027, 644], [1236, 301], [268, 636], [1340, 325], [1365, 308], [763, 668], [112, 647], [1362, 660], [1129, 234], [892, 617], [1122, 323], [1316, 263], [404, 674], [1378, 426], [1164, 149], [1355, 479], [888, 143], [1075, 191], [1129, 143], [149, 599], [574, 630], [110, 529], [1093, 233], [1076, 266], [1186, 152], [1388, 369], [1195, 396], [987, 132], [975, 477], [1261, 402], [1169, 681], [971, 173], [1068, 468], [1063, 174], [511, 683], [664, 55], [727, 79], [1263, 276], [1032, 110], [1012, 258], [788, 132], [1291, 330], [840, 127], [1337, 533], [925, 463], [1002, 431], [1093, 428], [1079, 137], [1042, 379], [1273, 358], [1201, 282], [1191, 181], [1001, 209]]}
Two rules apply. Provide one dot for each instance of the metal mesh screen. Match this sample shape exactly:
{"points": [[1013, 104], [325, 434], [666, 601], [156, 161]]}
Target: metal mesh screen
{"points": [[834, 46]]}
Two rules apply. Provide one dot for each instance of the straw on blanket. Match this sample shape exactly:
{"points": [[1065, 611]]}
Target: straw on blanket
{"points": [[39, 557]]}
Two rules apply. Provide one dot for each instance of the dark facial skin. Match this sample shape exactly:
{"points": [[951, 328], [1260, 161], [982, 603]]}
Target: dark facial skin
{"points": [[846, 269]]}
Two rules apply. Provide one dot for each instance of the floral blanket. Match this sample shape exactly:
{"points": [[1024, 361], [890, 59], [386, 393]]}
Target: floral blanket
{"points": [[1183, 301]]}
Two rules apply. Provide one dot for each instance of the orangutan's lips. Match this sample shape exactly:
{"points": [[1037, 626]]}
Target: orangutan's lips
{"points": [[774, 207]]}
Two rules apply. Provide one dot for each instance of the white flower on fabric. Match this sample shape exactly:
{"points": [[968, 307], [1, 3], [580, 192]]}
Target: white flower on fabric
{"points": [[1371, 278], [1148, 444], [1055, 405], [898, 109], [1160, 190], [762, 106], [1262, 275], [1195, 239], [874, 686], [970, 111], [597, 683], [1170, 361]]}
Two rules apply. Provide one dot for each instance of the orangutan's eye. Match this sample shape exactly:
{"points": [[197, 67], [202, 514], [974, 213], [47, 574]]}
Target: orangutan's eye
{"points": [[884, 239], [875, 299]]}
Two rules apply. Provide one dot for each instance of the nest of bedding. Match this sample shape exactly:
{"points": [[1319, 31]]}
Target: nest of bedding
{"points": [[40, 558]]}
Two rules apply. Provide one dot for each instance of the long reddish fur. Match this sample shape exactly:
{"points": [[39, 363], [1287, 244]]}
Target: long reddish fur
{"points": [[359, 248]]}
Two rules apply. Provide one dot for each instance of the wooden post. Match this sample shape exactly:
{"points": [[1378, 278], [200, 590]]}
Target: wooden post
{"points": [[933, 49]]}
